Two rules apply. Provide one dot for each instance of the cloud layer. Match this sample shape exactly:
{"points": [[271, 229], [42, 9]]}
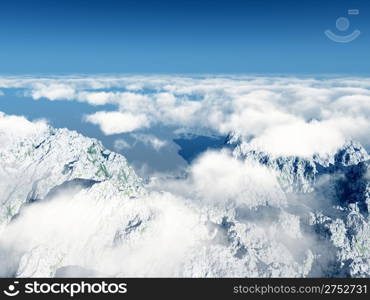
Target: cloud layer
{"points": [[279, 115]]}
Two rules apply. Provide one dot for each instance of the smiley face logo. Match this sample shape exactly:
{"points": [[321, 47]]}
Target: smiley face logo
{"points": [[12, 291], [342, 24]]}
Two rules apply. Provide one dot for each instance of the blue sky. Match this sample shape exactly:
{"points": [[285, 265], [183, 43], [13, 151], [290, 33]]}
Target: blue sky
{"points": [[168, 36]]}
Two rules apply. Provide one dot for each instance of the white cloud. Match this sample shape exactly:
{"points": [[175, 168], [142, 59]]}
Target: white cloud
{"points": [[14, 128], [356, 105], [133, 102], [261, 110], [87, 228], [53, 92], [218, 176], [96, 98], [117, 122], [220, 179], [176, 111], [150, 140], [301, 139]]}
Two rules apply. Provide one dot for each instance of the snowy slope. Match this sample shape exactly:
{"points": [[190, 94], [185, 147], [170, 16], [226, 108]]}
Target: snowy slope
{"points": [[31, 167]]}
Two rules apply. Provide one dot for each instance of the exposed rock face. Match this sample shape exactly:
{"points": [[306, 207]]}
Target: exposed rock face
{"points": [[336, 189]]}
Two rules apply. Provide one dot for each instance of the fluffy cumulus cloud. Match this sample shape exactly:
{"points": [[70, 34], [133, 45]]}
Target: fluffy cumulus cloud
{"points": [[13, 128], [113, 122], [218, 176], [307, 138], [84, 229], [53, 92], [220, 179], [279, 115], [96, 98]]}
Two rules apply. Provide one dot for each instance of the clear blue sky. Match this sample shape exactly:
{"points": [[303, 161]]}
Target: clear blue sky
{"points": [[178, 36]]}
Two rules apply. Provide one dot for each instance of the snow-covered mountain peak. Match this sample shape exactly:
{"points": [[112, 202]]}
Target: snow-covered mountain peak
{"points": [[351, 154], [31, 167]]}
